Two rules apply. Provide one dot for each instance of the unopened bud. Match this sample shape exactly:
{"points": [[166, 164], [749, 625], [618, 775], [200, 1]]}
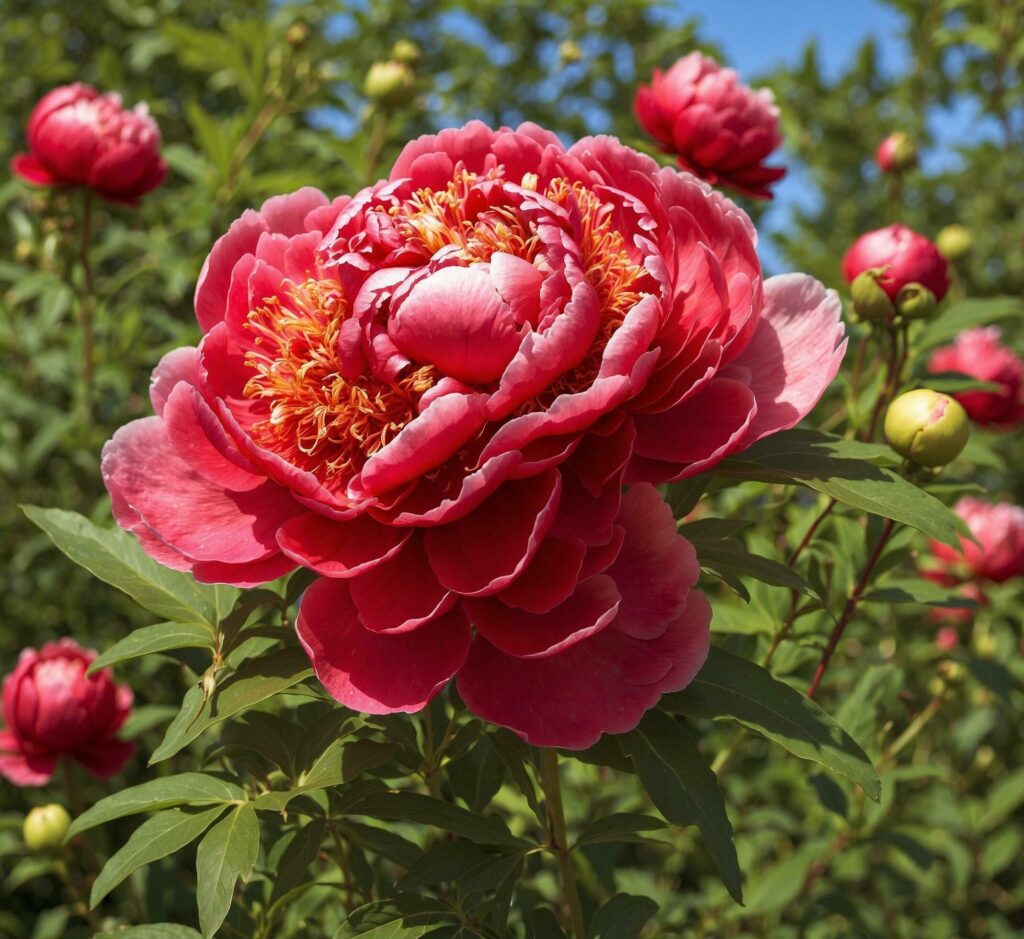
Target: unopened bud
{"points": [[897, 153], [45, 827], [870, 301], [23, 250], [984, 758], [952, 672], [569, 52], [955, 242], [390, 84], [915, 302], [926, 427], [297, 35], [405, 50]]}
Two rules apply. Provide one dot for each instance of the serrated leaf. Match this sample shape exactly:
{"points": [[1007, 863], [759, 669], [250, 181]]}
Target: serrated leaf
{"points": [[163, 834], [115, 557], [736, 689], [256, 680], [426, 810], [683, 788], [622, 917], [846, 470], [183, 789], [618, 828], [404, 916], [226, 853], [159, 638]]}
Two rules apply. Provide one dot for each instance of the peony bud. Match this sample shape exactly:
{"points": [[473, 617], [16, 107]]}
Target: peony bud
{"points": [[906, 256], [406, 51], [390, 84], [45, 827], [569, 52], [947, 639], [870, 301], [955, 242], [926, 427], [297, 35], [915, 302], [897, 153]]}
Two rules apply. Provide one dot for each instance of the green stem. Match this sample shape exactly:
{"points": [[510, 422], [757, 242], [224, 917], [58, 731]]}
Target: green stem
{"points": [[550, 781], [375, 150], [87, 302]]}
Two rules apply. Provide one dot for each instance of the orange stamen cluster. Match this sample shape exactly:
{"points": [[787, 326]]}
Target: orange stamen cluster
{"points": [[315, 417]]}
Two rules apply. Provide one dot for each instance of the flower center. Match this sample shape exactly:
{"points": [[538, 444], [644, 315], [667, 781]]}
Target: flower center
{"points": [[318, 413]]}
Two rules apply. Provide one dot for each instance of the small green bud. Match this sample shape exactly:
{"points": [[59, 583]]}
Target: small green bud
{"points": [[870, 301], [569, 52], [390, 84], [915, 302], [955, 242], [45, 827], [405, 50], [297, 35], [926, 427]]}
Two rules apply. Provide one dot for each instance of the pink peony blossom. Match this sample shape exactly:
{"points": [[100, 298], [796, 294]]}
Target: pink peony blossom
{"points": [[76, 136], [906, 256], [999, 528], [52, 709], [978, 352], [431, 394], [716, 126]]}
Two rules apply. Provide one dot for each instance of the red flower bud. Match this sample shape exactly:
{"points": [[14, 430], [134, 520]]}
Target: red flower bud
{"points": [[907, 256], [896, 153], [717, 127], [76, 136], [52, 709]]}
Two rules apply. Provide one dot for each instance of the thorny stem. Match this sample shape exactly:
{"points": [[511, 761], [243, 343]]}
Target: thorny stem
{"points": [[86, 306], [551, 783], [851, 605]]}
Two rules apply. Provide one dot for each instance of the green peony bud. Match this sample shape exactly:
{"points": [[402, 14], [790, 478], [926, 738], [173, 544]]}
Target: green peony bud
{"points": [[45, 827], [406, 51], [390, 84], [297, 35], [955, 242], [870, 301], [926, 427], [915, 302]]}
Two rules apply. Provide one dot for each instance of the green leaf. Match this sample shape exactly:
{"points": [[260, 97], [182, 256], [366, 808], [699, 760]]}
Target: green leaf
{"points": [[1003, 799], [425, 810], [545, 924], [380, 841], [618, 828], [343, 761], [159, 638], [733, 688], [953, 382], [257, 680], [727, 556], [778, 886], [917, 591], [840, 468], [183, 789], [683, 788], [163, 834], [452, 861], [228, 851], [622, 917], [296, 858], [152, 931], [115, 557], [967, 313], [404, 916]]}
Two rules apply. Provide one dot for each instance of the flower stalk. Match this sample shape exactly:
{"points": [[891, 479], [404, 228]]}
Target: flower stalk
{"points": [[551, 783]]}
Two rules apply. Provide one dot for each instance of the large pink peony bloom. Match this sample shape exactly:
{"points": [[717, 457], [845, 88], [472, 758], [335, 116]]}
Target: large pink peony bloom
{"points": [[432, 392], [999, 528], [979, 353], [906, 256], [76, 136], [715, 125], [52, 710]]}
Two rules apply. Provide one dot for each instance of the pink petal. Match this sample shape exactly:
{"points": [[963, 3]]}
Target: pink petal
{"points": [[21, 768], [31, 170], [374, 672], [178, 365]]}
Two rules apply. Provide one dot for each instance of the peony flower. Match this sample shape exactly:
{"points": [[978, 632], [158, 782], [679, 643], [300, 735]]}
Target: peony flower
{"points": [[978, 352], [52, 709], [78, 137], [999, 556], [431, 394], [906, 256], [715, 125]]}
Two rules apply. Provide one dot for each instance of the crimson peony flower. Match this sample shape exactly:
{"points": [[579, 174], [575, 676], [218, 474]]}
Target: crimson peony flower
{"points": [[52, 709], [999, 528], [716, 126], [76, 136], [978, 352], [906, 256], [431, 394]]}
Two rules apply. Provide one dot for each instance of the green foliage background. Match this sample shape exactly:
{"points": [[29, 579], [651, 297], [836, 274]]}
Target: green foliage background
{"points": [[249, 109]]}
